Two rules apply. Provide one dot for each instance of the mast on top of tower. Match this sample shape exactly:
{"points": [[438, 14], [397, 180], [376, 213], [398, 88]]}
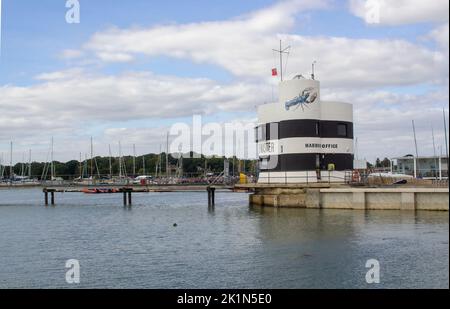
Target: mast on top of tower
{"points": [[282, 51]]}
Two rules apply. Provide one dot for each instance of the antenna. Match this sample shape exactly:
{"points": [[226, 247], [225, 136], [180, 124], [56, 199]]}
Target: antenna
{"points": [[313, 76], [282, 51]]}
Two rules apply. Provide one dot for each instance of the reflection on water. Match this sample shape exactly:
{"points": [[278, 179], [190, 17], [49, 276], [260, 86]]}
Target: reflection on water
{"points": [[173, 240]]}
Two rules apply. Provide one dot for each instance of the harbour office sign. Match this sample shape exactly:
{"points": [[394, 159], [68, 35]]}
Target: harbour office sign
{"points": [[321, 146]]}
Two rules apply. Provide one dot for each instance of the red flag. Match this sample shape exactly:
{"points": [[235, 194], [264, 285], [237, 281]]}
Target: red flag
{"points": [[274, 72]]}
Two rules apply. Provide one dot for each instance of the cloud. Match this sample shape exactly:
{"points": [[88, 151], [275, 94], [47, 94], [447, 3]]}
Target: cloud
{"points": [[69, 99], [400, 12], [383, 120], [70, 103], [60, 75], [243, 46], [441, 36], [71, 54]]}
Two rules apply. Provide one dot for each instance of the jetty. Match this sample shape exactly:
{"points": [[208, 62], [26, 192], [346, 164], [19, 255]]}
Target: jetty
{"points": [[342, 196], [126, 192]]}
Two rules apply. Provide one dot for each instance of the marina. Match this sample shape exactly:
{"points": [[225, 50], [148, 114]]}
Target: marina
{"points": [[229, 246], [168, 145]]}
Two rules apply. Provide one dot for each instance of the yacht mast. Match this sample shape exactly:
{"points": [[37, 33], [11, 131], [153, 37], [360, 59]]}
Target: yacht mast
{"points": [[52, 167], [11, 171], [92, 157], [110, 161], [417, 151], [29, 164], [143, 164], [120, 160], [167, 155], [134, 160]]}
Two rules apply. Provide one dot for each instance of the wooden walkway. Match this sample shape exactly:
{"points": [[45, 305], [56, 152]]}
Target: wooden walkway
{"points": [[49, 193]]}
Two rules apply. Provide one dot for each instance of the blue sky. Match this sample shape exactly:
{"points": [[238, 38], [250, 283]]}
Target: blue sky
{"points": [[35, 32], [407, 69]]}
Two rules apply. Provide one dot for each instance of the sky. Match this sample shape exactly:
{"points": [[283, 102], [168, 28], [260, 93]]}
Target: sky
{"points": [[130, 69]]}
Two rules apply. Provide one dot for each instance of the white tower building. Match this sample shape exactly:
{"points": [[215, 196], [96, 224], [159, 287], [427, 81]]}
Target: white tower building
{"points": [[302, 138]]}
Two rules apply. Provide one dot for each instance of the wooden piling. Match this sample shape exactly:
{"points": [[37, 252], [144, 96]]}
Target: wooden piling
{"points": [[53, 198], [208, 190], [129, 198], [46, 197], [211, 196]]}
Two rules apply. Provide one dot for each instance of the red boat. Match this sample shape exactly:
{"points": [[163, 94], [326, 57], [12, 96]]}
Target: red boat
{"points": [[99, 190]]}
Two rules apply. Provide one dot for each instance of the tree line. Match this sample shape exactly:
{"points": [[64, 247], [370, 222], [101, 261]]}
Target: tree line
{"points": [[146, 164]]}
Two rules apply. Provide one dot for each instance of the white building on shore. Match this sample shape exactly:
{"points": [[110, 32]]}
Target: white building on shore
{"points": [[421, 167], [302, 138]]}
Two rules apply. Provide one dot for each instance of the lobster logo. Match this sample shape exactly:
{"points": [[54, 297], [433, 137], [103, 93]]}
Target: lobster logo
{"points": [[308, 96]]}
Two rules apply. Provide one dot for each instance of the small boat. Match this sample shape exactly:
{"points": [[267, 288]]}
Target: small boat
{"points": [[99, 190]]}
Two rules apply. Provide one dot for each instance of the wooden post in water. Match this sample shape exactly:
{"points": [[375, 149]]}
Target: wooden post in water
{"points": [[127, 200], [52, 196], [208, 189], [46, 197], [211, 196]]}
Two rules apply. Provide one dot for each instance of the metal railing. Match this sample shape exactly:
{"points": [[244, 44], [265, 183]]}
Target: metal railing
{"points": [[310, 177]]}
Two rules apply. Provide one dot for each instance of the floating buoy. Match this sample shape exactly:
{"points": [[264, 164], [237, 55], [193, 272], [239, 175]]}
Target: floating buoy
{"points": [[175, 225]]}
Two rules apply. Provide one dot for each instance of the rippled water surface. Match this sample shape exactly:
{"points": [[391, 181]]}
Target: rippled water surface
{"points": [[231, 246]]}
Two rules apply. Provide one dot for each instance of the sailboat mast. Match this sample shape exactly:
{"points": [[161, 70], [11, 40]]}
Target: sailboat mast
{"points": [[110, 161], [29, 164], [417, 150], [81, 167], [22, 165], [11, 171], [434, 152], [1, 165], [143, 164], [52, 167], [445, 130], [92, 157], [134, 160], [120, 160], [167, 155]]}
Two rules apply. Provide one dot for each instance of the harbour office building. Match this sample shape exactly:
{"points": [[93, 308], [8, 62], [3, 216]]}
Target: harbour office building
{"points": [[302, 138]]}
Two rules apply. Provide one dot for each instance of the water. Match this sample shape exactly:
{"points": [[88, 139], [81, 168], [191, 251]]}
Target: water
{"points": [[234, 246]]}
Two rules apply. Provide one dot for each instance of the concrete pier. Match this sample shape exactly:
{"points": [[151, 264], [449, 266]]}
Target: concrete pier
{"points": [[346, 197]]}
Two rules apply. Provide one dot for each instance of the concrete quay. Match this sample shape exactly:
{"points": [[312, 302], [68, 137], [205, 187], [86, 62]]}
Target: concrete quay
{"points": [[326, 196]]}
